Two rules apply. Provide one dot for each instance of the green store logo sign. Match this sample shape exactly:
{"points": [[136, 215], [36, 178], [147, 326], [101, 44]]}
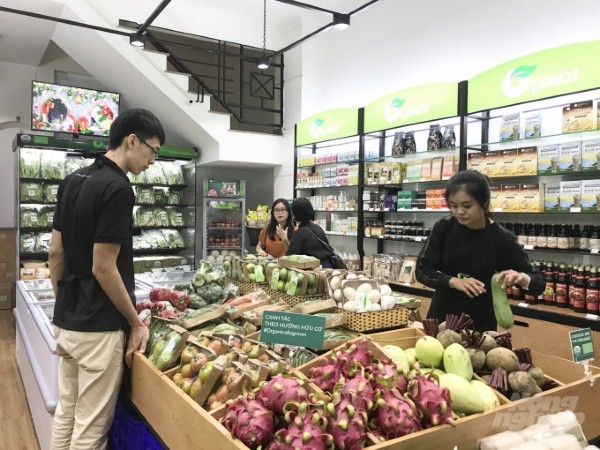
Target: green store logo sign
{"points": [[394, 111], [522, 79], [319, 129]]}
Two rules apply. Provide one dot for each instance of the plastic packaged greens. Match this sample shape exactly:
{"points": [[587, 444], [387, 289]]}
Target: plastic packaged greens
{"points": [[31, 192], [175, 218], [140, 243], [137, 179], [72, 164], [42, 243], [27, 243], [155, 238], [155, 174], [172, 196], [143, 217], [173, 173], [50, 192], [144, 195], [161, 218], [29, 216], [159, 196], [53, 165], [173, 238], [29, 163], [46, 216]]}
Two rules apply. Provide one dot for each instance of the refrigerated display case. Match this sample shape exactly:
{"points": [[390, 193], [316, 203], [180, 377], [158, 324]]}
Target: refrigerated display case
{"points": [[223, 222], [36, 350]]}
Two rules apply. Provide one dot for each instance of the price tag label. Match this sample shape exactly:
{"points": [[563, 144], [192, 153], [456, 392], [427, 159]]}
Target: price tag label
{"points": [[591, 316], [497, 209], [386, 209], [594, 251], [523, 305], [528, 247], [419, 238], [582, 345], [575, 209]]}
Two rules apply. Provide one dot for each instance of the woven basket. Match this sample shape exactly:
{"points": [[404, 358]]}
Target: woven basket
{"points": [[292, 300], [376, 320]]}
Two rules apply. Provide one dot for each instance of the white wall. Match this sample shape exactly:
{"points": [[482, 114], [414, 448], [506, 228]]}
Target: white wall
{"points": [[393, 45]]}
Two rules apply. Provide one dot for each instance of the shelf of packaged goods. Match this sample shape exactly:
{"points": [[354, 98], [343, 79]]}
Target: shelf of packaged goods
{"points": [[337, 210], [158, 205], [223, 248], [326, 187], [332, 163], [576, 251], [571, 211], [563, 176], [411, 156], [156, 251], [555, 314], [40, 180], [333, 233], [35, 229], [36, 202], [33, 255], [416, 239], [403, 182], [426, 210], [558, 138], [152, 185], [224, 229]]}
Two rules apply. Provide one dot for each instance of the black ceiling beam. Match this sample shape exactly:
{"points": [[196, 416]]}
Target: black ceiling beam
{"points": [[65, 21], [153, 16], [306, 6]]}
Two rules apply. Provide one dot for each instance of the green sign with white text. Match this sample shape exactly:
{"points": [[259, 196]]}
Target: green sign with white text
{"points": [[582, 345], [285, 328], [557, 71], [327, 125], [414, 105]]}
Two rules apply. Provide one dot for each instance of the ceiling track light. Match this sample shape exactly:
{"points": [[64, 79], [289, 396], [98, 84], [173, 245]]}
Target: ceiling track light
{"points": [[137, 40], [263, 63], [341, 21]]}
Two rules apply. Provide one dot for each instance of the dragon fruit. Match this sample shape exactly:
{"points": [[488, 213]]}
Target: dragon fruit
{"points": [[329, 373], [396, 416], [306, 430], [280, 390], [432, 401], [357, 351], [360, 387], [347, 424], [384, 375], [250, 421]]}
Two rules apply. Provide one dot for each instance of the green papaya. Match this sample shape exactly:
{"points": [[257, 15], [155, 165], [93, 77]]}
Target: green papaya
{"points": [[502, 311]]}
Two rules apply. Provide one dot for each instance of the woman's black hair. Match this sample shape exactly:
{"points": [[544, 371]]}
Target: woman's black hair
{"points": [[303, 211], [474, 183], [289, 223]]}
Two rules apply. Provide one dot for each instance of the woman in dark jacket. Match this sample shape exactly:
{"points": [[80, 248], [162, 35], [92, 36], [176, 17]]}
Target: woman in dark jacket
{"points": [[309, 239], [465, 249]]}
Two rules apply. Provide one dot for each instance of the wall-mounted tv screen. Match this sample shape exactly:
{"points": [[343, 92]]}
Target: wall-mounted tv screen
{"points": [[70, 109]]}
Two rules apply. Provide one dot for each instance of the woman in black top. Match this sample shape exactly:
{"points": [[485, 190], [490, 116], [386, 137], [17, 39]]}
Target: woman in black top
{"points": [[305, 240], [464, 251]]}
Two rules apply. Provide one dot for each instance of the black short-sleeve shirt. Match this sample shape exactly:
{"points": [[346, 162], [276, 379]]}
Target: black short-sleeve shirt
{"points": [[94, 205]]}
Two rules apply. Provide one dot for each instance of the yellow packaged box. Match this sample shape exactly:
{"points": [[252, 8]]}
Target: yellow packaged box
{"points": [[527, 161], [510, 197], [490, 164], [529, 198], [508, 163]]}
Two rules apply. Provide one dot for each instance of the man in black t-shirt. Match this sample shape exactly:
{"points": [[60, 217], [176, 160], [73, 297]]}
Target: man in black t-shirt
{"points": [[91, 268]]}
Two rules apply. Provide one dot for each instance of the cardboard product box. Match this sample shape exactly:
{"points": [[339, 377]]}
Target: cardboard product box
{"points": [[413, 171], [396, 173], [578, 116], [551, 196], [385, 173], [507, 163], [590, 195], [511, 127], [569, 157], [510, 197], [530, 199], [436, 168], [570, 195], [474, 161], [489, 164], [547, 159], [426, 168], [447, 167], [590, 155], [495, 197], [527, 161]]}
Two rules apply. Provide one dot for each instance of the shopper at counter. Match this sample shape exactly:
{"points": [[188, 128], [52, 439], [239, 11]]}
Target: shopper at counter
{"points": [[91, 268], [309, 239], [274, 239], [465, 249]]}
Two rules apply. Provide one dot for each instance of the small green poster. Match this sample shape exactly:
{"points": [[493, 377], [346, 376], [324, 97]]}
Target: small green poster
{"points": [[557, 71], [327, 125], [413, 105], [582, 345], [285, 328]]}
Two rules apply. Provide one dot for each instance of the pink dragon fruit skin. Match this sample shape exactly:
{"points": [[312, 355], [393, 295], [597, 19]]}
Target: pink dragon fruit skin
{"points": [[357, 351], [327, 375], [364, 395], [384, 375], [280, 390], [306, 429], [347, 424], [402, 383], [250, 421], [396, 416], [434, 402]]}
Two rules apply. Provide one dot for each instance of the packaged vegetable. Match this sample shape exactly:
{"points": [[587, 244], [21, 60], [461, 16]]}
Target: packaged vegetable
{"points": [[172, 196], [29, 216], [72, 164], [144, 195], [53, 165], [137, 179], [42, 243], [46, 216], [173, 238], [173, 173], [31, 192], [50, 192], [155, 174], [29, 163], [27, 243]]}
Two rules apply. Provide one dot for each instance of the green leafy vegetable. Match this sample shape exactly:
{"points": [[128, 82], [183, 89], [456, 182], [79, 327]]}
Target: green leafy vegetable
{"points": [[29, 163], [31, 192]]}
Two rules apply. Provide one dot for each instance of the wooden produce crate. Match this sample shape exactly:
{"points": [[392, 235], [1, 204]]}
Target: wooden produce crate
{"points": [[376, 320], [179, 421]]}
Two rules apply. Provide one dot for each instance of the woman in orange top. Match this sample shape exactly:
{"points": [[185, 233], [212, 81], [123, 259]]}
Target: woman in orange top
{"points": [[274, 239]]}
